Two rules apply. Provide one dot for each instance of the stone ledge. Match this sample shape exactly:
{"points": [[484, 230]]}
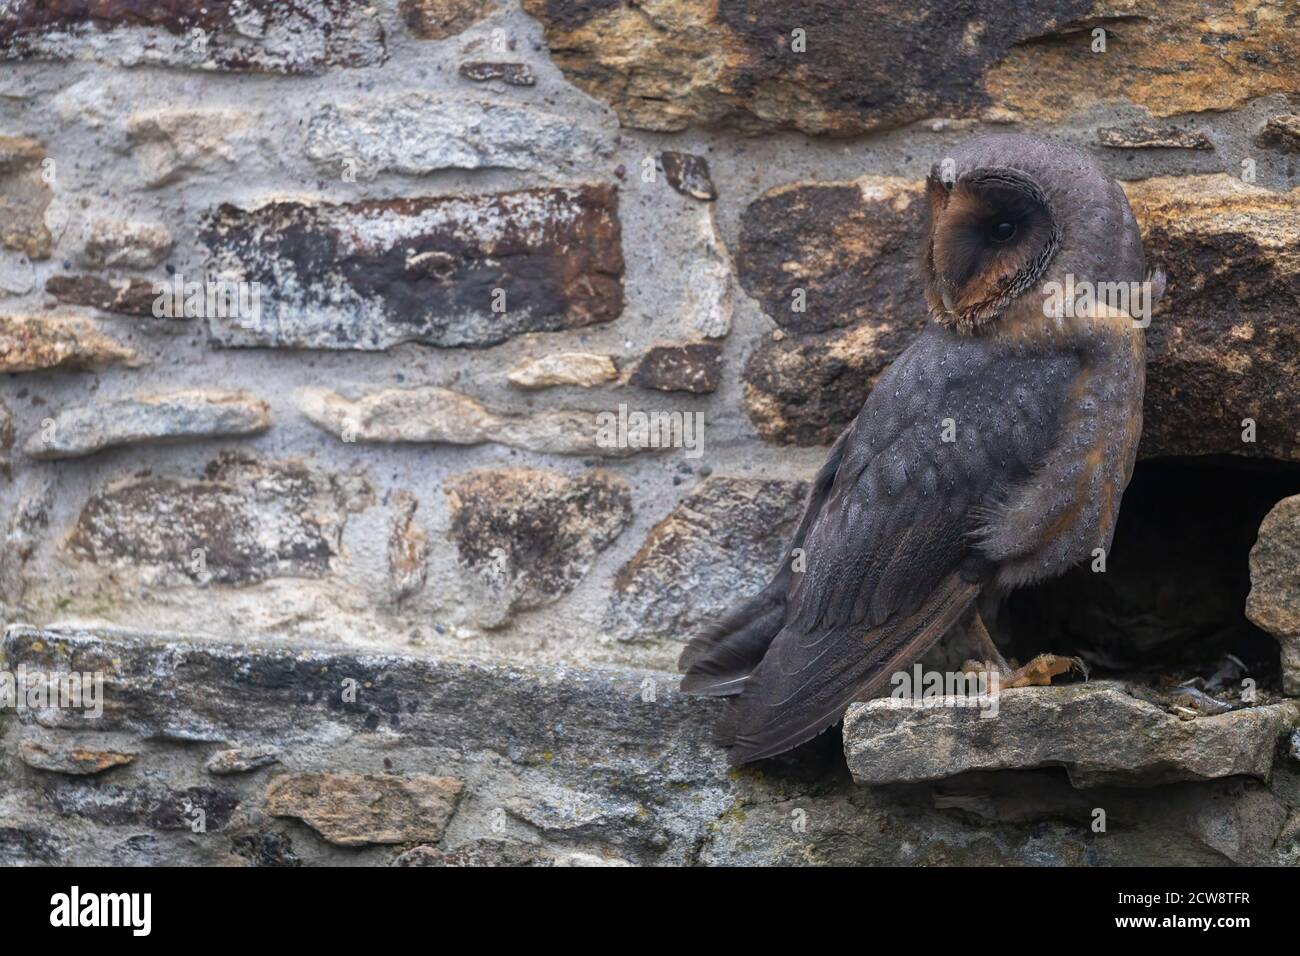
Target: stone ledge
{"points": [[174, 688], [515, 764], [1097, 731]]}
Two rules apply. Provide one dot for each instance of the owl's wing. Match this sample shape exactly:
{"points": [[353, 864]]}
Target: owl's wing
{"points": [[719, 659], [890, 564]]}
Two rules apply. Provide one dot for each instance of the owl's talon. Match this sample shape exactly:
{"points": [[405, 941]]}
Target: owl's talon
{"points": [[1040, 671]]}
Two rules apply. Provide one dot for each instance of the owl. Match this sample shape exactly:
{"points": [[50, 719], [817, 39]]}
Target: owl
{"points": [[991, 454]]}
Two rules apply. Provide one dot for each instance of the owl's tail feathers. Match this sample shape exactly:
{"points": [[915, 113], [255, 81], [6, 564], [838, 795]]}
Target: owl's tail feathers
{"points": [[719, 660], [807, 681]]}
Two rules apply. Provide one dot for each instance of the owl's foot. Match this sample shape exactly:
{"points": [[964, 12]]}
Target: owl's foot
{"points": [[998, 667], [1040, 671], [1037, 673]]}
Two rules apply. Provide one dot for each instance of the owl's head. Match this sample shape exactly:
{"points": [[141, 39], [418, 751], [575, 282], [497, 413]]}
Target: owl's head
{"points": [[1010, 214]]}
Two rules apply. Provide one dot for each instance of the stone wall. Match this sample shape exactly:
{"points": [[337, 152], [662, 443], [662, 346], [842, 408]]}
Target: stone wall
{"points": [[467, 234]]}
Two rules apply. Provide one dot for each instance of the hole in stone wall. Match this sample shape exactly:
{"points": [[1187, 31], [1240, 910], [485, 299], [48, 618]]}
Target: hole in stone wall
{"points": [[1172, 600]]}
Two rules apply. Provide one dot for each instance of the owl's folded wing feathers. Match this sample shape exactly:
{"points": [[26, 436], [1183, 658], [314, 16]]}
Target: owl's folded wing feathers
{"points": [[890, 564]]}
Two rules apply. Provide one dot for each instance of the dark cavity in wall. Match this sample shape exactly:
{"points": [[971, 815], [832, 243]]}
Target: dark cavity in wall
{"points": [[1172, 600]]}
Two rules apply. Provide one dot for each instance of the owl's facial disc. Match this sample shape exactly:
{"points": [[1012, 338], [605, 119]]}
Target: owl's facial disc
{"points": [[992, 235]]}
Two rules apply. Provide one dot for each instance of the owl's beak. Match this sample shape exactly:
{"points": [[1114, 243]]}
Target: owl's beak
{"points": [[948, 302]]}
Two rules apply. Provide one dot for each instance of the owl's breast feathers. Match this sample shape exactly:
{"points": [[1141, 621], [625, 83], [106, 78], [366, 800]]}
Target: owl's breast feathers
{"points": [[1066, 510], [977, 459]]}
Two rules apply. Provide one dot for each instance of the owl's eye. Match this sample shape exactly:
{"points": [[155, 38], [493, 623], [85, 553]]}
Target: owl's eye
{"points": [[1003, 231]]}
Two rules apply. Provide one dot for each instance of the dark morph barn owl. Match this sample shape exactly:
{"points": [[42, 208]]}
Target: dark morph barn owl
{"points": [[991, 454]]}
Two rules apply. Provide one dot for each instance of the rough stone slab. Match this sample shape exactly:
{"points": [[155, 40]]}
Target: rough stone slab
{"points": [[244, 521], [1149, 136], [439, 19], [128, 296], [28, 526], [1281, 132], [584, 369], [223, 763], [418, 133], [260, 35], [445, 271], [149, 419], [1223, 345], [850, 246], [408, 548], [352, 809], [1209, 60], [24, 197], [480, 853], [158, 687], [75, 761], [589, 764], [437, 415], [17, 274], [708, 280], [721, 544], [1274, 601], [169, 142], [148, 805], [511, 74], [1097, 731], [854, 67], [806, 389], [6, 438], [837, 258], [21, 846], [527, 536], [695, 367], [118, 244], [818, 257], [689, 175], [30, 343]]}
